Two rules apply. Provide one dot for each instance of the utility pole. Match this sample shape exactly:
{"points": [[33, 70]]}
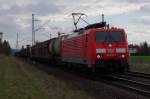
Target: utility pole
{"points": [[50, 35], [17, 42], [33, 32], [36, 29], [103, 18]]}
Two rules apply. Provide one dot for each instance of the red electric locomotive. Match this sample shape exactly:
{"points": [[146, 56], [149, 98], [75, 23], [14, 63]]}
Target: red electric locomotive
{"points": [[98, 48]]}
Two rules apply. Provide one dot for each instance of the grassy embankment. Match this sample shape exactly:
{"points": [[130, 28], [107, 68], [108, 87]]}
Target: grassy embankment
{"points": [[19, 80], [140, 63]]}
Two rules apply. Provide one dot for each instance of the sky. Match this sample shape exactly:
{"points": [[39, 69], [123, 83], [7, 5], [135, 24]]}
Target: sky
{"points": [[55, 15]]}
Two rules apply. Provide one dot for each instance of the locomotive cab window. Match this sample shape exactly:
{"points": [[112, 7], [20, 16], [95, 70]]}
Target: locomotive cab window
{"points": [[109, 36]]}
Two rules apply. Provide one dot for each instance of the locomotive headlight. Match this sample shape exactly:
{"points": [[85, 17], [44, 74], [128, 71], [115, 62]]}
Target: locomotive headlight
{"points": [[98, 56], [123, 56], [100, 50], [120, 50]]}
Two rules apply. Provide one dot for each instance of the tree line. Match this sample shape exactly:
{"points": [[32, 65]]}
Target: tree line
{"points": [[5, 47], [143, 49]]}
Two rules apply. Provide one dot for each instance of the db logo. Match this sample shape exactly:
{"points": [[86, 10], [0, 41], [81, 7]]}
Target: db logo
{"points": [[110, 45]]}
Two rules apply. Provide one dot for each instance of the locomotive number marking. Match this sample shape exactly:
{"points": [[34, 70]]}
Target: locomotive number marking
{"points": [[110, 50]]}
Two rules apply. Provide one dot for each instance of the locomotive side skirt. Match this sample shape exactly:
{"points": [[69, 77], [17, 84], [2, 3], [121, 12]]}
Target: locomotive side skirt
{"points": [[76, 60]]}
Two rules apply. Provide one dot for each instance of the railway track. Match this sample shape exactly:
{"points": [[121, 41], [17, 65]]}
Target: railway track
{"points": [[137, 74], [132, 81]]}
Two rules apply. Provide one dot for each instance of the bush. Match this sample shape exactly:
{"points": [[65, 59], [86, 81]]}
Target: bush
{"points": [[5, 47]]}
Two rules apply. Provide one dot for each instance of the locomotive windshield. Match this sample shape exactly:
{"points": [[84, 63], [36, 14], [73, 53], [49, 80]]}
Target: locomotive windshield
{"points": [[109, 36]]}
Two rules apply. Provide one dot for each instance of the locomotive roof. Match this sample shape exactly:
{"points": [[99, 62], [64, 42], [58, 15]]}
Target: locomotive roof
{"points": [[76, 33], [107, 29]]}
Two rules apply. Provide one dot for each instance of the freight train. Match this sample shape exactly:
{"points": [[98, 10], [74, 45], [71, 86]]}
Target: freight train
{"points": [[96, 47]]}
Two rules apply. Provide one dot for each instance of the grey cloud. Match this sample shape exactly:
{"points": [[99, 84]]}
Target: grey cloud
{"points": [[133, 1], [45, 8], [8, 24], [138, 1], [141, 21], [41, 8], [8, 17], [145, 8], [10, 27]]}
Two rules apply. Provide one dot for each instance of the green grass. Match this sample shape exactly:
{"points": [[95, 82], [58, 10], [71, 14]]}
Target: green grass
{"points": [[15, 83], [20, 80], [140, 64], [140, 59]]}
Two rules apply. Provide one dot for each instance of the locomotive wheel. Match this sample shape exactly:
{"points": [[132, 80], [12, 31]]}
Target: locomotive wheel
{"points": [[90, 71]]}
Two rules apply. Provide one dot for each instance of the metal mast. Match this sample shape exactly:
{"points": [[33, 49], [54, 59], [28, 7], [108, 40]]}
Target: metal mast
{"points": [[17, 41], [33, 32], [103, 20]]}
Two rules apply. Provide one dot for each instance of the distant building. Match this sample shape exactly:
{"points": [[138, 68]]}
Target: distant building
{"points": [[133, 49]]}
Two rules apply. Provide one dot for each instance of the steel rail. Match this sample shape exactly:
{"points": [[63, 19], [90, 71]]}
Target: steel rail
{"points": [[137, 74], [133, 85]]}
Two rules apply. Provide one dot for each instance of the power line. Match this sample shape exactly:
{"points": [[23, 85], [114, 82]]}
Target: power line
{"points": [[37, 29]]}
